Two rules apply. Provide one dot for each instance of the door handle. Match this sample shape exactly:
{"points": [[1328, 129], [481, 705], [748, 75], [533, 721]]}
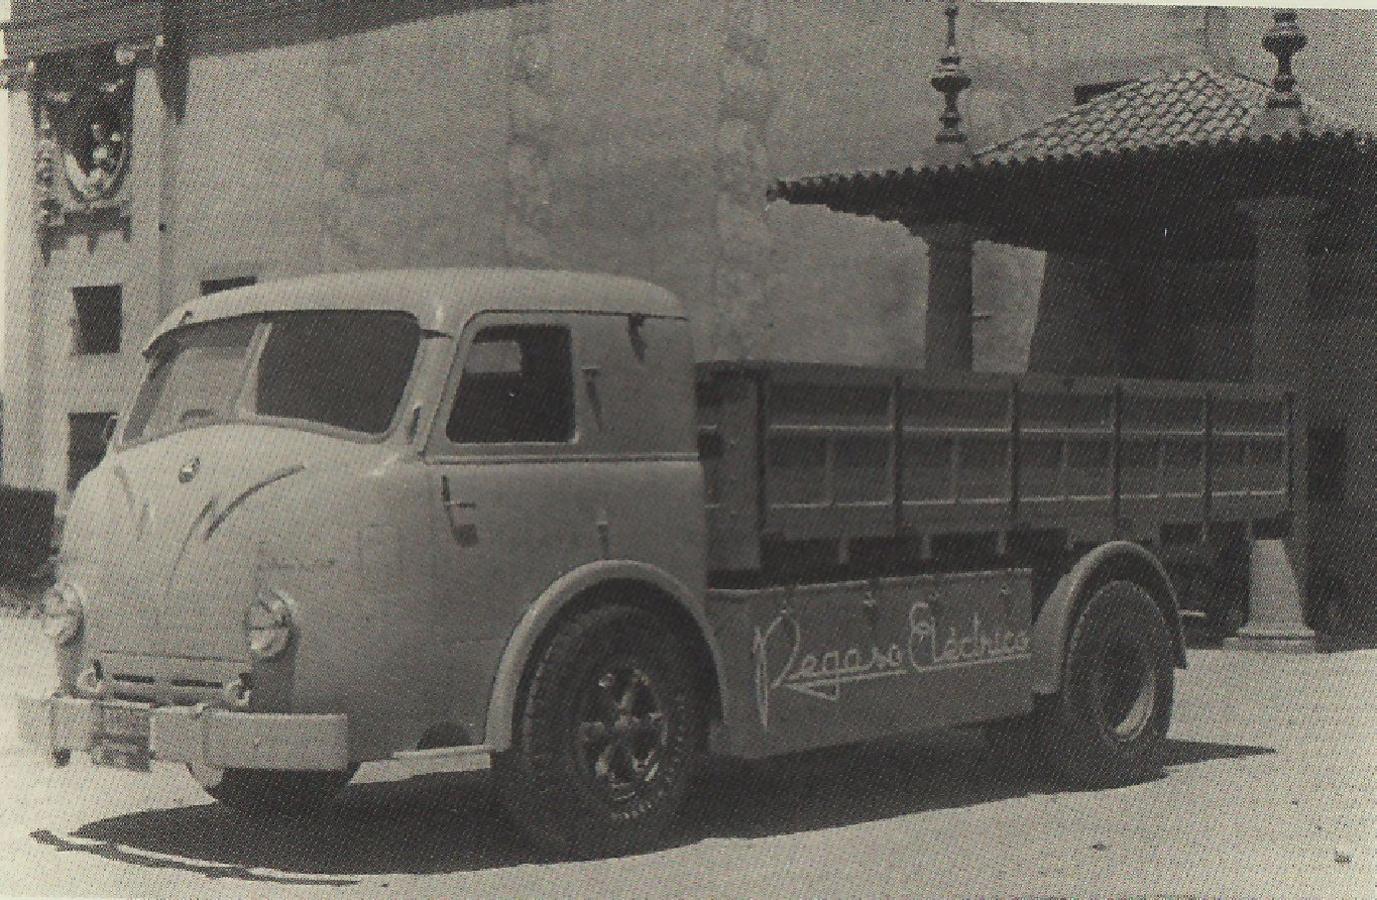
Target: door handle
{"points": [[464, 533], [447, 497]]}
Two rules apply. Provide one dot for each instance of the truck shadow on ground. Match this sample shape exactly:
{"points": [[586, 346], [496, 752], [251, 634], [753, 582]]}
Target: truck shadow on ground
{"points": [[437, 824]]}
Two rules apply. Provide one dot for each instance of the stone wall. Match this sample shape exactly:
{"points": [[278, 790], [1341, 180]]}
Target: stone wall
{"points": [[413, 156], [632, 159], [627, 136]]}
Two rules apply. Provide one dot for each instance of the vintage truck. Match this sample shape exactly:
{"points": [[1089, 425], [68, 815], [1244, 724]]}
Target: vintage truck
{"points": [[427, 514]]}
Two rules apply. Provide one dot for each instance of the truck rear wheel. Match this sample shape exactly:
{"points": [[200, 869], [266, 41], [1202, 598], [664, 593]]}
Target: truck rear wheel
{"points": [[268, 791], [609, 736], [1109, 722]]}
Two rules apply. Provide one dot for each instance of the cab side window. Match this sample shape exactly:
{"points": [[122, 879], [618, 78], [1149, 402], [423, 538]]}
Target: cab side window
{"points": [[517, 387]]}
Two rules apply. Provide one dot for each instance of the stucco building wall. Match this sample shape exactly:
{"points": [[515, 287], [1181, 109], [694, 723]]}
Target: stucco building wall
{"points": [[637, 137]]}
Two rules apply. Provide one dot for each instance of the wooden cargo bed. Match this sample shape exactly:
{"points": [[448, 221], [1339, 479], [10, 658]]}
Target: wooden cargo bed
{"points": [[808, 453]]}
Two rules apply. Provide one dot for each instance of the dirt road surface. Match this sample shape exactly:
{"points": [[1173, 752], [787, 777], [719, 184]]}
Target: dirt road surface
{"points": [[1269, 789]]}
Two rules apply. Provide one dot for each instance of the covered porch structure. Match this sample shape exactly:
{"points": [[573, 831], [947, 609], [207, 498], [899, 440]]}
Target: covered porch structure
{"points": [[1195, 168]]}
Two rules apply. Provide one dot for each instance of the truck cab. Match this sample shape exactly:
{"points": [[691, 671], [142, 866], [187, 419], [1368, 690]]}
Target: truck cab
{"points": [[331, 502]]}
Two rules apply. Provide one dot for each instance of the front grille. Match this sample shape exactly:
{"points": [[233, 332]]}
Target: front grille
{"points": [[195, 683], [144, 691], [167, 680]]}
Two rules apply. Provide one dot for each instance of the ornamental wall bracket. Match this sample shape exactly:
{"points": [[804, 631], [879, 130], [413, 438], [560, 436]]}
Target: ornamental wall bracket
{"points": [[83, 121]]}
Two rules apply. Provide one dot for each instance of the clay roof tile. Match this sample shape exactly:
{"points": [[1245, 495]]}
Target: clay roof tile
{"points": [[1196, 106]]}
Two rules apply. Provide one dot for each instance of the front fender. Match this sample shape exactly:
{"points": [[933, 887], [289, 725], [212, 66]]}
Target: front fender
{"points": [[1116, 559], [507, 682]]}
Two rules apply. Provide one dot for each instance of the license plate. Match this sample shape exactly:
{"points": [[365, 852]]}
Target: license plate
{"points": [[124, 722], [122, 741]]}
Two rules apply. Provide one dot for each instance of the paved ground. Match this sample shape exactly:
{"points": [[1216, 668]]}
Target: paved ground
{"points": [[1270, 790]]}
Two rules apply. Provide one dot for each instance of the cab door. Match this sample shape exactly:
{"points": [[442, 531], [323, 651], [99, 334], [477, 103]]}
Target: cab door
{"points": [[508, 514]]}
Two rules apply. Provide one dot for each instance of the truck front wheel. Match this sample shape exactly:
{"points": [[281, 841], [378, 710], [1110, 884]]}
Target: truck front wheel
{"points": [[609, 736], [1109, 722]]}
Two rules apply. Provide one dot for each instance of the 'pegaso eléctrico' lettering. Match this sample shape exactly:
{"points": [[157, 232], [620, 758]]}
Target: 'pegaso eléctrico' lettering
{"points": [[822, 674]]}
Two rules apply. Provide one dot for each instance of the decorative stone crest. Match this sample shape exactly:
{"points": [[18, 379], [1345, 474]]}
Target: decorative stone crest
{"points": [[83, 110]]}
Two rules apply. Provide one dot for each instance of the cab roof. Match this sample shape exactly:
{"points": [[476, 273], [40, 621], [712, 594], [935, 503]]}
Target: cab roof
{"points": [[442, 300]]}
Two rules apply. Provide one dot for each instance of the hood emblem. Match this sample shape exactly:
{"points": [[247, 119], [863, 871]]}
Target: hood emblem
{"points": [[189, 469]]}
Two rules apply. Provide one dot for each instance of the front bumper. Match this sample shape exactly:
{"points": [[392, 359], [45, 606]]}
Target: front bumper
{"points": [[206, 736]]}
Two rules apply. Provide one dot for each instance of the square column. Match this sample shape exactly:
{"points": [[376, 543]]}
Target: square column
{"points": [[1280, 356], [24, 363], [948, 346]]}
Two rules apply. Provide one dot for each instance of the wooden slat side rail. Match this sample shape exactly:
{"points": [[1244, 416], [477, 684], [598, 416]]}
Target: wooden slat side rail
{"points": [[1164, 459], [831, 453], [1250, 452], [958, 450]]}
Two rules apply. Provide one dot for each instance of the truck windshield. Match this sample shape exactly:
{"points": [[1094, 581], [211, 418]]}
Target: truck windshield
{"points": [[344, 370]]}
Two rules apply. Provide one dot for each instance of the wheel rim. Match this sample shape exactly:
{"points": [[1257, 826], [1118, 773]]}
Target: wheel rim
{"points": [[1127, 688], [621, 732]]}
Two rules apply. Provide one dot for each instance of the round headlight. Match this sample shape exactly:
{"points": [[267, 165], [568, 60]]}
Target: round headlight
{"points": [[62, 613], [268, 624]]}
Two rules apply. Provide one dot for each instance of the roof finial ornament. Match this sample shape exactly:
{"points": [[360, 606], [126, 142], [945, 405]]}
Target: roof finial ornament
{"points": [[1284, 40], [950, 79], [1282, 112]]}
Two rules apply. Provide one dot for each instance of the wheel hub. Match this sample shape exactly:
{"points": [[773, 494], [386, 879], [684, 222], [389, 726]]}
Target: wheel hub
{"points": [[621, 731]]}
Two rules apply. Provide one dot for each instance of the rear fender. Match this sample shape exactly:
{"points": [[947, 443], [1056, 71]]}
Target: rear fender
{"points": [[536, 621], [1114, 560]]}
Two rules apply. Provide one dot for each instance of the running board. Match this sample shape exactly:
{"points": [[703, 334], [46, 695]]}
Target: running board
{"points": [[434, 761], [440, 754]]}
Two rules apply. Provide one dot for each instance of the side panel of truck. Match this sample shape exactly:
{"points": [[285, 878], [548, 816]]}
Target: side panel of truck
{"points": [[840, 456], [835, 663]]}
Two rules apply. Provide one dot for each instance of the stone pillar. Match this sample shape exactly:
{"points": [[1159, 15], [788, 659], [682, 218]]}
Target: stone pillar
{"points": [[170, 69], [149, 288], [741, 270], [1075, 332], [23, 341], [532, 107], [1280, 356], [948, 346]]}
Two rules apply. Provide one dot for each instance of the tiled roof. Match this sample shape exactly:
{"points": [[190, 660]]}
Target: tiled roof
{"points": [[1166, 159], [1199, 106]]}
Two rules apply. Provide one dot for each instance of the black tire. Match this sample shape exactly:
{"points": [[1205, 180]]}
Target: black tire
{"points": [[609, 736], [1109, 722], [273, 792]]}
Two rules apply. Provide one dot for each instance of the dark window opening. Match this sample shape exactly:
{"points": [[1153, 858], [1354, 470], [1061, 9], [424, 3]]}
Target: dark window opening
{"points": [[216, 285], [1327, 463], [517, 387], [85, 444], [99, 319], [341, 369], [1084, 93]]}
